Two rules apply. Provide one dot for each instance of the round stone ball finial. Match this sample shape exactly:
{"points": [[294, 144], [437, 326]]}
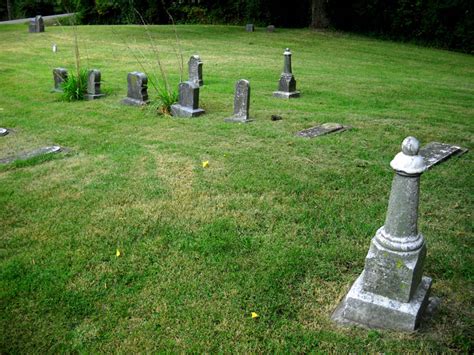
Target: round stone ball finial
{"points": [[408, 162], [287, 51], [410, 146]]}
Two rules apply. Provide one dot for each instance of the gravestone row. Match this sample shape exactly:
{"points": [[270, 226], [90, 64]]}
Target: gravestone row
{"points": [[60, 75]]}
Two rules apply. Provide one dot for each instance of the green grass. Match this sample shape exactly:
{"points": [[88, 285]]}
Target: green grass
{"points": [[277, 224]]}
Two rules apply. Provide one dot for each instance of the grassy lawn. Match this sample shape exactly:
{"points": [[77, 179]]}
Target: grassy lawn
{"points": [[277, 224]]}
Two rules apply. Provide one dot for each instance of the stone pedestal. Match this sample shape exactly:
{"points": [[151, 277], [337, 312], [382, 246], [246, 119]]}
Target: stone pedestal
{"points": [[287, 83], [59, 77], [188, 104], [195, 70], [93, 85], [137, 93], [241, 103], [391, 292]]}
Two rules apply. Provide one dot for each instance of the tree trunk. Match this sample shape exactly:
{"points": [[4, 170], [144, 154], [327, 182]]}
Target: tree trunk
{"points": [[319, 17], [9, 9]]}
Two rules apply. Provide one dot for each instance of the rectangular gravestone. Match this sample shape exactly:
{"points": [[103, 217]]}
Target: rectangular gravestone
{"points": [[241, 103], [93, 85], [249, 27], [59, 76], [137, 91], [31, 154], [434, 153], [36, 25], [188, 104], [322, 129], [195, 70]]}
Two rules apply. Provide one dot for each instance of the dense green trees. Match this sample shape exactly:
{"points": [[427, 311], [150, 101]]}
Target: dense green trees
{"points": [[444, 23]]}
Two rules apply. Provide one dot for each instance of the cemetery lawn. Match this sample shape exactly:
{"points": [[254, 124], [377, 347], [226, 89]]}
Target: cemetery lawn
{"points": [[278, 225]]}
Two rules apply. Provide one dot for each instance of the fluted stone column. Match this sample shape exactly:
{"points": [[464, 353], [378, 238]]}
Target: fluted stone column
{"points": [[391, 292], [287, 83]]}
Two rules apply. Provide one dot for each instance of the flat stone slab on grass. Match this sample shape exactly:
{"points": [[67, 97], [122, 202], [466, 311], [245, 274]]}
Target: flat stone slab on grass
{"points": [[435, 153], [3, 131], [322, 129], [31, 154]]}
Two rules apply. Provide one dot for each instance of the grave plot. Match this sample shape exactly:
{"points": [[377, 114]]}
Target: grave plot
{"points": [[322, 129], [435, 153], [32, 154]]}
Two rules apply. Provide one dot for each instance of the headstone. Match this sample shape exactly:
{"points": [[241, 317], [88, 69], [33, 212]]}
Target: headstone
{"points": [[241, 102], [195, 70], [59, 76], [55, 48], [137, 92], [271, 28], [36, 24], [188, 104], [435, 153], [3, 131], [31, 154], [287, 83], [249, 27], [392, 292], [322, 129], [93, 85]]}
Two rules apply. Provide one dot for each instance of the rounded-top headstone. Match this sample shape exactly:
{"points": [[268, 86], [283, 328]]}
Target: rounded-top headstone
{"points": [[408, 161]]}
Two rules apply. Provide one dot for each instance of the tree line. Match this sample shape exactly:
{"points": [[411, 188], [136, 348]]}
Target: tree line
{"points": [[442, 23]]}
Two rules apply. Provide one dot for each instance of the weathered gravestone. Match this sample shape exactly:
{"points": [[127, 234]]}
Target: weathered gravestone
{"points": [[195, 70], [287, 83], [392, 292], [271, 28], [93, 85], [3, 131], [59, 76], [249, 27], [188, 104], [31, 154], [322, 129], [435, 153], [36, 24], [137, 90], [241, 102]]}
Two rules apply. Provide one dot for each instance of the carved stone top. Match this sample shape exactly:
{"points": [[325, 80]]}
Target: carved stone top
{"points": [[408, 161]]}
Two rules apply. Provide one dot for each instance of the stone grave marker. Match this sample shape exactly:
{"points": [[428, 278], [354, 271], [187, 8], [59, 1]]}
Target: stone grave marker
{"points": [[3, 132], [392, 292], [93, 85], [322, 129], [137, 89], [195, 70], [435, 153], [36, 24], [287, 83], [59, 76], [31, 154], [241, 102], [188, 104], [271, 28], [249, 27]]}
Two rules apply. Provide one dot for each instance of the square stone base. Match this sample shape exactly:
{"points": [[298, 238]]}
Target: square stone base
{"points": [[93, 97], [134, 102], [286, 95], [238, 119], [375, 311], [182, 111]]}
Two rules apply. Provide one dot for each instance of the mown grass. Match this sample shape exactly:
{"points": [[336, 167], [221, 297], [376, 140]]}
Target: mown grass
{"points": [[276, 225]]}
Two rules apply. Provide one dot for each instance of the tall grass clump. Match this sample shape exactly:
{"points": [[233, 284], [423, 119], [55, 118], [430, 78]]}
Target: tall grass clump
{"points": [[75, 86], [166, 94]]}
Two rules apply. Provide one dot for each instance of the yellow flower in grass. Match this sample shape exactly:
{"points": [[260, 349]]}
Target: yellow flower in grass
{"points": [[205, 164], [118, 253], [255, 315]]}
